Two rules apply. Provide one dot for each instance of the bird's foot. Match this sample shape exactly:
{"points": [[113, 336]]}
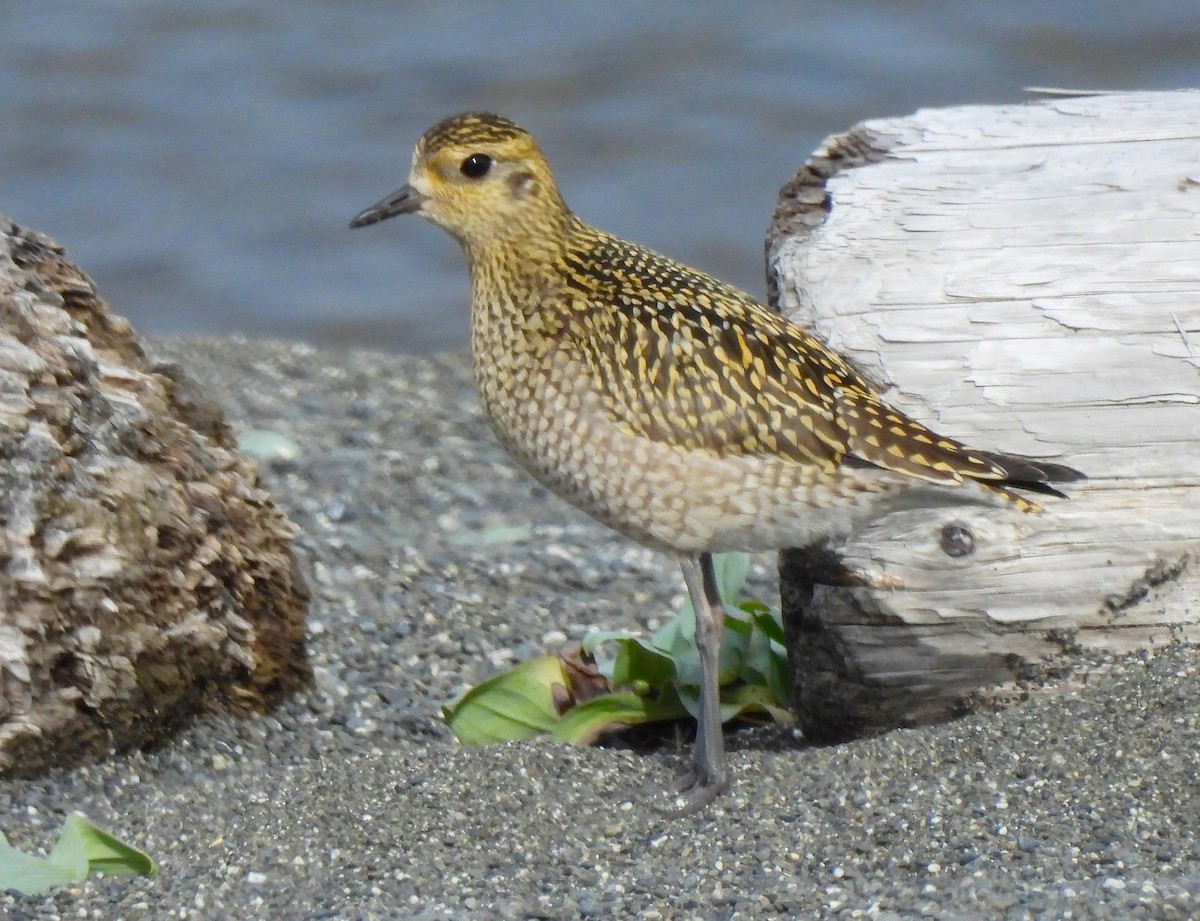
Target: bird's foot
{"points": [[694, 791]]}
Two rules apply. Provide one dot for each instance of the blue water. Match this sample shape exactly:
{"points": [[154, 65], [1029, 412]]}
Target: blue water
{"points": [[201, 160]]}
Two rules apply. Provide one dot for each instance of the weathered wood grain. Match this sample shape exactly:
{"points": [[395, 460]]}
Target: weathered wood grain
{"points": [[1025, 278]]}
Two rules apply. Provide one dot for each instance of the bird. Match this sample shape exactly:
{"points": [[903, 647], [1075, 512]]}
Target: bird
{"points": [[672, 407]]}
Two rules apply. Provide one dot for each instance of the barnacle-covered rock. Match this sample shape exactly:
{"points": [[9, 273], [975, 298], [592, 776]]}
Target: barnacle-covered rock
{"points": [[145, 574]]}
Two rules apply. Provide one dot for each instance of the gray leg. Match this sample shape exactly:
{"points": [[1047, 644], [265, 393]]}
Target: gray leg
{"points": [[701, 581]]}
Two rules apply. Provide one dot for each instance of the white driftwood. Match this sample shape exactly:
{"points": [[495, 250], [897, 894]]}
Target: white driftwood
{"points": [[1025, 278]]}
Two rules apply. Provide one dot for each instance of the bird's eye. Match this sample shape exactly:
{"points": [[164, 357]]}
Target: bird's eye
{"points": [[476, 166]]}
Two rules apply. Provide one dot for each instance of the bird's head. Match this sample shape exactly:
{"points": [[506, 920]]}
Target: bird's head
{"points": [[481, 178]]}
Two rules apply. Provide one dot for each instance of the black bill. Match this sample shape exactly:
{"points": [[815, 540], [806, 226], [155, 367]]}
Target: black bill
{"points": [[405, 200]]}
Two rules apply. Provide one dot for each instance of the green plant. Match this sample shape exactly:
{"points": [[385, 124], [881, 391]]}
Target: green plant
{"points": [[82, 849], [581, 695]]}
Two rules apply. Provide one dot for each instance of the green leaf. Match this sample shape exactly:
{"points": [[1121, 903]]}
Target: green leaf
{"points": [[594, 639], [669, 634], [751, 699], [769, 622], [639, 662], [735, 644], [101, 852], [656, 679], [769, 659], [516, 704], [689, 698], [731, 570], [584, 724], [82, 848], [679, 631], [30, 874], [779, 678], [757, 664], [688, 673], [70, 851]]}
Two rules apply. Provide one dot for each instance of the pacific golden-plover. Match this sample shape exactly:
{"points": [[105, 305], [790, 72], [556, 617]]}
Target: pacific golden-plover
{"points": [[672, 407]]}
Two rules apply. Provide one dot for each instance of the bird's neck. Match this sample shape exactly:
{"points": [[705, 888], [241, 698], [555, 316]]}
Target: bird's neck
{"points": [[509, 290], [520, 304], [532, 240], [517, 270]]}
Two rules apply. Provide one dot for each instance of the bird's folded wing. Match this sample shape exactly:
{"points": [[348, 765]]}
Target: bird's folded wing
{"points": [[743, 381]]}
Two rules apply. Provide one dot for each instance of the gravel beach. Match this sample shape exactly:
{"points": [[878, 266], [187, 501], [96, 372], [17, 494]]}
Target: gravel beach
{"points": [[434, 562]]}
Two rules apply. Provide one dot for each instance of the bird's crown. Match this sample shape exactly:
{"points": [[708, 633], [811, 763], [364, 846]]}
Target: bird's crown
{"points": [[484, 179], [469, 128]]}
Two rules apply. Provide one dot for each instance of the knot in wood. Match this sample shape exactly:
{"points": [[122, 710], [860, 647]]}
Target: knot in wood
{"points": [[957, 540]]}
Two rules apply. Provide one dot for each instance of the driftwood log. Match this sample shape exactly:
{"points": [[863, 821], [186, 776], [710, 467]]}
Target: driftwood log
{"points": [[144, 572], [1024, 278]]}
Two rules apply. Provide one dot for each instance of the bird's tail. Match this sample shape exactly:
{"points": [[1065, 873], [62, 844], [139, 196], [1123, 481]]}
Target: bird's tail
{"points": [[1032, 475]]}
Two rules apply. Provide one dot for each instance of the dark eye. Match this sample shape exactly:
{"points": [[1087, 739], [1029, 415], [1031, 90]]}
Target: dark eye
{"points": [[476, 165]]}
